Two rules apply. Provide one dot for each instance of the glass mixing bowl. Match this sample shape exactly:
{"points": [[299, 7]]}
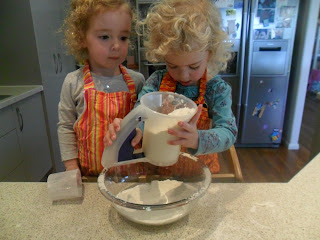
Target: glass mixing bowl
{"points": [[152, 195]]}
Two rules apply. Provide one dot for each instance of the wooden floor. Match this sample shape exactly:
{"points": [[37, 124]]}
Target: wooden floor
{"points": [[281, 164]]}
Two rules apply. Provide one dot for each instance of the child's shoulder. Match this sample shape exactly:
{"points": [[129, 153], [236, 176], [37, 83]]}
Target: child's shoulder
{"points": [[135, 74], [158, 74], [74, 79], [216, 80], [74, 75], [137, 77], [217, 83]]}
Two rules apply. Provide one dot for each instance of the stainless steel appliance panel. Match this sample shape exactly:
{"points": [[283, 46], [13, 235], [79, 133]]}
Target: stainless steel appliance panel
{"points": [[269, 58], [264, 115]]}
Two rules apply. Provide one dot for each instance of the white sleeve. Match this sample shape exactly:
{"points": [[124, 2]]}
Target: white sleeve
{"points": [[67, 117]]}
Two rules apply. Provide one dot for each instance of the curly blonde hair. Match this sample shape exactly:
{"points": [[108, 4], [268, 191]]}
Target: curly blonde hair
{"points": [[176, 26], [77, 22]]}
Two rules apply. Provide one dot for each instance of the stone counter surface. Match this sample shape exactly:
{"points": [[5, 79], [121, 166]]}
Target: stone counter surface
{"points": [[227, 211]]}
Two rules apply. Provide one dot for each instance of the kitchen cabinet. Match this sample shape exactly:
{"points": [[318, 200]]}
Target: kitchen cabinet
{"points": [[33, 138], [32, 53], [9, 144], [55, 63], [17, 175], [24, 145]]}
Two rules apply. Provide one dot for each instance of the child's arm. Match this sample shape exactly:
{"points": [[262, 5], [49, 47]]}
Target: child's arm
{"points": [[71, 164], [67, 117], [224, 130]]}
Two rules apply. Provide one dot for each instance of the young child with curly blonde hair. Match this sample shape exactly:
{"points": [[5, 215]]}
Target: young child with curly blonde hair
{"points": [[97, 32], [187, 36]]}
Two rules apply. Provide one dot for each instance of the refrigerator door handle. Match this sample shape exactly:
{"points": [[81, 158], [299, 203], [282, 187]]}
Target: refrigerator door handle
{"points": [[244, 37], [254, 5], [248, 60], [249, 47]]}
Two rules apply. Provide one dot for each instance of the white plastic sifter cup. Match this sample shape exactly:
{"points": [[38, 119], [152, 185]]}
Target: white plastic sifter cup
{"points": [[159, 111], [65, 185]]}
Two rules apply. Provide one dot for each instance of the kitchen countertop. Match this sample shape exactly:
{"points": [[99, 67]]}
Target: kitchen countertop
{"points": [[17, 93], [227, 211]]}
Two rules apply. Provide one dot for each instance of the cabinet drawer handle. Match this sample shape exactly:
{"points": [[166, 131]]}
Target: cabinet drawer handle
{"points": [[60, 62], [20, 119], [55, 63]]}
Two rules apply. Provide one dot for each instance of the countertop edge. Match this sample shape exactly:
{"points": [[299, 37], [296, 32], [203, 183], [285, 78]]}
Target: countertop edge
{"points": [[20, 96]]}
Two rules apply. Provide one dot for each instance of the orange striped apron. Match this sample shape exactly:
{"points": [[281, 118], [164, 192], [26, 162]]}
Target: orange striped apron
{"points": [[100, 110], [168, 84]]}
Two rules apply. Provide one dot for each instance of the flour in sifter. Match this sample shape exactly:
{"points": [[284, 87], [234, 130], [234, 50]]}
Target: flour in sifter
{"points": [[182, 111], [155, 139]]}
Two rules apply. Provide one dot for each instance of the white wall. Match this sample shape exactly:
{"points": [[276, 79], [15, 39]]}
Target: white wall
{"points": [[301, 62]]}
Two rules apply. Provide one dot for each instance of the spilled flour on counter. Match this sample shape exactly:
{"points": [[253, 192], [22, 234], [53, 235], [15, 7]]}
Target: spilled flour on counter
{"points": [[156, 192]]}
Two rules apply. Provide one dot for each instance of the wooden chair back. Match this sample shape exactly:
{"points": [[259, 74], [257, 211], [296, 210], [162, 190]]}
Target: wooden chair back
{"points": [[230, 159]]}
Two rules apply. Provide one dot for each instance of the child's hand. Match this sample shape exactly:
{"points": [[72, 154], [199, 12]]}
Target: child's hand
{"points": [[111, 134], [71, 164], [188, 134]]}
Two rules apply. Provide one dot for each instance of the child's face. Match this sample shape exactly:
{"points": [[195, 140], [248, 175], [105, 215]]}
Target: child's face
{"points": [[187, 68], [107, 41]]}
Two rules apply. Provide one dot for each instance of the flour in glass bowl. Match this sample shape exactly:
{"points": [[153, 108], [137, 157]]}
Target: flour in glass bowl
{"points": [[156, 193]]}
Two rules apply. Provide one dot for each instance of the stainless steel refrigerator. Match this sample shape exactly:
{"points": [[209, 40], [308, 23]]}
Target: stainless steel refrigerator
{"points": [[262, 32]]}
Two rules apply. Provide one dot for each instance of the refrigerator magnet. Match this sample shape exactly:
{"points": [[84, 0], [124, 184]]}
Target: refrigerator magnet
{"points": [[262, 110], [275, 135], [257, 109]]}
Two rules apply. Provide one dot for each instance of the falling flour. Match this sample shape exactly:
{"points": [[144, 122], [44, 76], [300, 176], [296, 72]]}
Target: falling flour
{"points": [[154, 193]]}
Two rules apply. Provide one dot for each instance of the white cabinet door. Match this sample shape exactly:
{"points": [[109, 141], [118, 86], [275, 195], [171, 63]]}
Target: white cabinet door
{"points": [[10, 156], [44, 17], [67, 62], [7, 122], [33, 137], [48, 16], [17, 175], [52, 90]]}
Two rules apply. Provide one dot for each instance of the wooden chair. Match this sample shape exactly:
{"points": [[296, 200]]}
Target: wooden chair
{"points": [[232, 161]]}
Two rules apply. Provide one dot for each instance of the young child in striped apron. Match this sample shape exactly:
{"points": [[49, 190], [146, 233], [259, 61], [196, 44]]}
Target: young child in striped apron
{"points": [[97, 32], [187, 36]]}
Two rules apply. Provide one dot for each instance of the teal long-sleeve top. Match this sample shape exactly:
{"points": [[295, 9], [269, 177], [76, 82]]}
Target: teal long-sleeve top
{"points": [[223, 131]]}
